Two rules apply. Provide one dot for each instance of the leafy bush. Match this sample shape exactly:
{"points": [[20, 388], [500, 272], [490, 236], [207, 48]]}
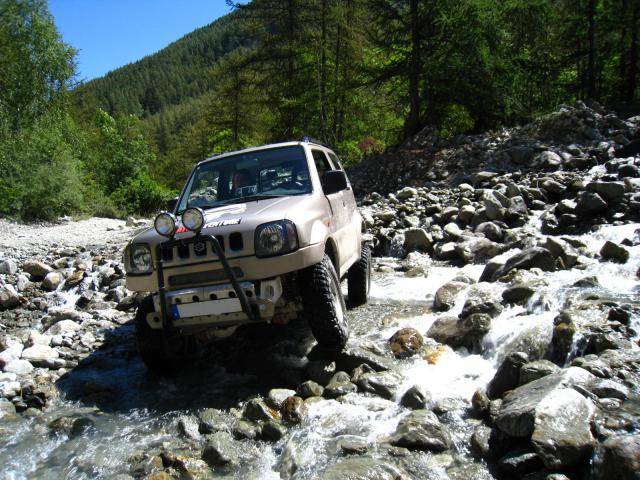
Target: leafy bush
{"points": [[456, 120], [141, 195]]}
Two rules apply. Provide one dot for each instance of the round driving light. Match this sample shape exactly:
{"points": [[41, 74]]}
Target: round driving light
{"points": [[165, 224], [193, 219]]}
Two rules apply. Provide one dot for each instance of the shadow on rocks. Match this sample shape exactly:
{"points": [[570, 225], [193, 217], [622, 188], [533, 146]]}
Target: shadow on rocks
{"points": [[251, 362]]}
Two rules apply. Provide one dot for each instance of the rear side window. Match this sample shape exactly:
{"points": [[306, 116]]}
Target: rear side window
{"points": [[321, 161]]}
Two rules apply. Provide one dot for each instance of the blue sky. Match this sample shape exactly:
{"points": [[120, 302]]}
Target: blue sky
{"points": [[111, 33]]}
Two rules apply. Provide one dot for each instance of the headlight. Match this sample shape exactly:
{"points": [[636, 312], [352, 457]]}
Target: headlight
{"points": [[193, 219], [141, 261], [276, 238], [165, 224]]}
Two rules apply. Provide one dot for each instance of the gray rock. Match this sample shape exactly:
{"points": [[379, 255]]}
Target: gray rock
{"points": [[611, 251], [490, 230], [481, 298], [63, 327], [562, 433], [212, 420], [489, 443], [9, 388], [617, 458], [445, 297], [606, 388], [445, 251], [520, 155], [272, 431], [363, 468], [553, 187], [417, 239], [9, 297], [6, 408], [406, 192], [37, 270], [321, 371], [41, 355], [562, 250], [421, 430], [52, 280], [415, 398], [384, 384], [257, 410], [339, 386], [519, 462], [518, 293], [457, 332], [549, 159], [516, 417], [493, 207], [277, 396], [309, 389], [353, 357], [19, 367], [508, 375], [188, 426], [534, 370], [452, 231], [535, 257], [629, 170], [8, 267], [611, 192], [221, 451], [294, 410], [589, 203]]}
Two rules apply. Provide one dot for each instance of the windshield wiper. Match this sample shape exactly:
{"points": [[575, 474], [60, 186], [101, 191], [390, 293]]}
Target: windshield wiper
{"points": [[248, 198]]}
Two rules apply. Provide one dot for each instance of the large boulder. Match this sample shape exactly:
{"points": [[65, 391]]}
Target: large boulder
{"points": [[37, 270], [8, 267], [41, 355], [406, 342], [421, 430], [618, 457], [589, 203], [507, 376], [9, 297], [562, 433], [482, 298], [446, 295], [614, 252], [611, 192], [517, 414], [52, 281], [457, 332], [417, 239], [384, 384], [534, 257]]}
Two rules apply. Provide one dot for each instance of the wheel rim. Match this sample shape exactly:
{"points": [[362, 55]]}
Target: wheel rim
{"points": [[335, 299]]}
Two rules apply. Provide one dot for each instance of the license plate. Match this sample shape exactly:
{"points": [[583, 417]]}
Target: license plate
{"points": [[211, 307]]}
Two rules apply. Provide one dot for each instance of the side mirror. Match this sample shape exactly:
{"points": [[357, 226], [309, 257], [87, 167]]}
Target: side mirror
{"points": [[334, 181], [171, 204]]}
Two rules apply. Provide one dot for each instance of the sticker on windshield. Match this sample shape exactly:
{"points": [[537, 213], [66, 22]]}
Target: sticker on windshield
{"points": [[223, 223]]}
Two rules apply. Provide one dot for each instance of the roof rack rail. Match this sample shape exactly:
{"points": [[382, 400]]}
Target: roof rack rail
{"points": [[308, 139]]}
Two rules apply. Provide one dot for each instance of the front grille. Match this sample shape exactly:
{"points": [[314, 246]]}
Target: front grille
{"points": [[197, 249], [202, 277]]}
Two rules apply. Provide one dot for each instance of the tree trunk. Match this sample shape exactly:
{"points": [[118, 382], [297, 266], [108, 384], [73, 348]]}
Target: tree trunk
{"points": [[632, 78], [412, 122], [591, 68], [323, 72]]}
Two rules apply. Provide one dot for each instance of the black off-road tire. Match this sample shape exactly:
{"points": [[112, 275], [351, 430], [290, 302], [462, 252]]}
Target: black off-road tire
{"points": [[359, 278], [324, 305], [152, 347]]}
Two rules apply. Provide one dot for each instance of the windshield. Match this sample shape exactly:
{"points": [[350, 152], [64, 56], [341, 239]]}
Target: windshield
{"points": [[250, 176]]}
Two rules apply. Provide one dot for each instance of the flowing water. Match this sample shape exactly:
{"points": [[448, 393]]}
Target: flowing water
{"points": [[128, 411]]}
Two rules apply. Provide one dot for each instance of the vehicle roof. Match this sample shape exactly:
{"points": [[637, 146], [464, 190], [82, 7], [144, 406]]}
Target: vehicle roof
{"points": [[263, 147]]}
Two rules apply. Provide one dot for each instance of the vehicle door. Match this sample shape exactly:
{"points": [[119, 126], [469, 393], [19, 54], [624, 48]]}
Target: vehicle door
{"points": [[352, 218]]}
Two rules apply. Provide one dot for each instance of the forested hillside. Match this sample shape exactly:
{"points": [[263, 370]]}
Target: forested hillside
{"points": [[359, 74]]}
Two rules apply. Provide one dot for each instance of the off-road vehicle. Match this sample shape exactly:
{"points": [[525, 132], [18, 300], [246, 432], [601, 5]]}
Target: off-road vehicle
{"points": [[258, 235]]}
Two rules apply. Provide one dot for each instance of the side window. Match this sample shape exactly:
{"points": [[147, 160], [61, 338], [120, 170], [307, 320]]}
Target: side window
{"points": [[335, 161], [321, 161]]}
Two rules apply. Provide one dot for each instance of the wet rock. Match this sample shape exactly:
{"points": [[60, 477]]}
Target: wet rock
{"points": [[309, 389], [553, 187], [9, 388], [294, 409], [37, 270], [406, 193], [272, 431], [52, 281], [80, 426], [256, 410], [490, 443], [8, 267], [277, 396], [417, 239], [563, 251], [211, 420], [517, 413], [491, 231], [534, 370], [340, 384], [352, 444], [321, 371], [629, 170], [549, 159], [534, 257], [618, 457], [481, 299], [520, 155], [189, 427], [248, 430], [74, 279], [353, 357], [493, 207], [480, 403], [518, 293], [507, 376], [383, 384], [562, 434], [363, 468], [590, 203], [6, 408], [606, 388], [63, 327], [9, 297], [406, 342], [593, 365], [519, 462], [446, 295], [611, 251], [415, 398], [457, 332], [221, 451], [611, 192], [421, 430]]}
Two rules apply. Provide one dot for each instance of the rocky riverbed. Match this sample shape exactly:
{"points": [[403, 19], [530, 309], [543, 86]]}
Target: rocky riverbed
{"points": [[501, 339]]}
